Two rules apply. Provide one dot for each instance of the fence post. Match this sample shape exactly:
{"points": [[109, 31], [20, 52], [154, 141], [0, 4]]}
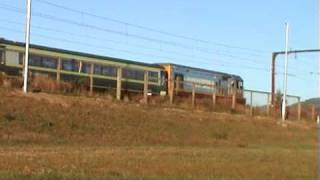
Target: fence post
{"points": [[145, 89], [193, 94], [91, 79], [268, 105], [119, 83], [313, 113], [178, 82], [214, 98], [58, 71], [234, 99], [251, 103], [171, 90], [299, 109]]}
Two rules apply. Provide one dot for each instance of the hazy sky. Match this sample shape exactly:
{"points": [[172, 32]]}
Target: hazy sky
{"points": [[237, 36]]}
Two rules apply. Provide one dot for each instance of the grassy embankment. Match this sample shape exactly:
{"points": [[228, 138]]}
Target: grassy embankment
{"points": [[55, 136]]}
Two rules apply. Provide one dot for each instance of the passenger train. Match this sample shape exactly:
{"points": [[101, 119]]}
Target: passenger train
{"points": [[72, 66]]}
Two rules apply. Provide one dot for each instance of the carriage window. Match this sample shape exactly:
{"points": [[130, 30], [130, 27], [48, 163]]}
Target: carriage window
{"points": [[97, 69], [109, 71], [133, 74], [35, 61], [153, 76], [105, 70], [39, 61], [48, 62], [86, 68], [70, 65]]}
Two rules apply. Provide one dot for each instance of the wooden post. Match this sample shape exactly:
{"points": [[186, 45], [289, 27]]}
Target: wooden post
{"points": [[178, 82], [119, 82], [251, 103], [171, 89], [214, 99], [234, 99], [299, 109], [145, 89], [268, 105], [58, 71], [91, 79], [313, 113], [193, 94]]}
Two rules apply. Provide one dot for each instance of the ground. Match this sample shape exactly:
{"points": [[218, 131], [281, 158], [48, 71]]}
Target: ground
{"points": [[47, 136]]}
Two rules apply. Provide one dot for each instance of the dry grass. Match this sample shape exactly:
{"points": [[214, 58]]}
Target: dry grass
{"points": [[53, 136]]}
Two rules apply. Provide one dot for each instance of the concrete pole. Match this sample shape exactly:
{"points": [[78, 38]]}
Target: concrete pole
{"points": [[285, 84], [27, 36], [318, 116]]}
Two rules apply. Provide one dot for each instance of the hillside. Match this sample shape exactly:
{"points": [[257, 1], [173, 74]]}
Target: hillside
{"points": [[314, 101], [56, 136]]}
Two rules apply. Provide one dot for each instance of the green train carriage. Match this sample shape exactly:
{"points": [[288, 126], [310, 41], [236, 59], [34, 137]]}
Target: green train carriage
{"points": [[74, 66]]}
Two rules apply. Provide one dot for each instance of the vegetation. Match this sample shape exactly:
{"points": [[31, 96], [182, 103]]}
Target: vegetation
{"points": [[45, 136]]}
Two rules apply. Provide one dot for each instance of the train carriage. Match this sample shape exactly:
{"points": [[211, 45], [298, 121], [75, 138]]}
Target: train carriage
{"points": [[73, 66]]}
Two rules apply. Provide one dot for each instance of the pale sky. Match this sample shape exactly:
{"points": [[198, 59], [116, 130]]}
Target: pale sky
{"points": [[237, 37]]}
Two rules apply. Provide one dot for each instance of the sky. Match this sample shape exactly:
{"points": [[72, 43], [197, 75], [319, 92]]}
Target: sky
{"points": [[235, 37]]}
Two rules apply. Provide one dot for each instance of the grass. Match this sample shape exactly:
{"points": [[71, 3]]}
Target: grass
{"points": [[46, 136]]}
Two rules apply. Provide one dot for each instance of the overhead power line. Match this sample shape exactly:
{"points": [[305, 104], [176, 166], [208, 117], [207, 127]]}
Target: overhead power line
{"points": [[135, 53], [125, 34], [15, 9], [149, 29], [135, 44]]}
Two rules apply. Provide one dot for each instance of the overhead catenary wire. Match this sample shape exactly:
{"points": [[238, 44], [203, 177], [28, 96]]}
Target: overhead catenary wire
{"points": [[150, 29], [225, 65], [131, 52], [125, 34], [132, 44]]}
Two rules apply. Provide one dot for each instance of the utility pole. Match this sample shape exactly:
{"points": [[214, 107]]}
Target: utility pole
{"points": [[285, 84], [27, 36], [318, 117]]}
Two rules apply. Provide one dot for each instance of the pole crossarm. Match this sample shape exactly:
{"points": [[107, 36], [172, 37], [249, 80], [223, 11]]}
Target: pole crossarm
{"points": [[295, 52], [273, 67]]}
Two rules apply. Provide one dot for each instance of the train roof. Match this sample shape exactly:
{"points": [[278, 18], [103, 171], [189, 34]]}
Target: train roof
{"points": [[77, 53], [202, 70]]}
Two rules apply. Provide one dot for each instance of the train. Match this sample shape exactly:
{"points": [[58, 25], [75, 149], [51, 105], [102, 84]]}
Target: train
{"points": [[70, 66]]}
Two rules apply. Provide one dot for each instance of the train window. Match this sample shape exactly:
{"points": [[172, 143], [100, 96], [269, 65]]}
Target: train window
{"points": [[240, 85], [86, 68], [105, 70], [109, 71], [39, 61], [153, 76], [48, 62], [35, 60], [133, 74], [97, 69], [70, 65]]}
